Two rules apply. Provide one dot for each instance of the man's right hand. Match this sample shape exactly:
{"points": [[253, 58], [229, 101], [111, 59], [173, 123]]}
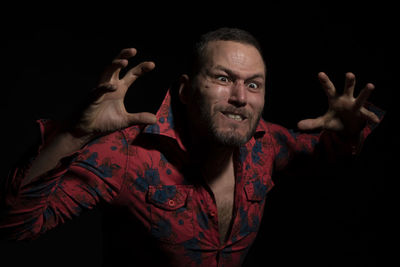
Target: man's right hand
{"points": [[105, 111]]}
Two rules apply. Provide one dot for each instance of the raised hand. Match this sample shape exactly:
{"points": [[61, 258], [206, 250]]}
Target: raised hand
{"points": [[346, 114], [105, 111]]}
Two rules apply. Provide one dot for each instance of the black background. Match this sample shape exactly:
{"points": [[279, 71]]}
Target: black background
{"points": [[53, 56]]}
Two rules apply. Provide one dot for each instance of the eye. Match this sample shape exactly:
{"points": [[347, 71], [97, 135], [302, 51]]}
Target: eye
{"points": [[253, 85], [223, 79]]}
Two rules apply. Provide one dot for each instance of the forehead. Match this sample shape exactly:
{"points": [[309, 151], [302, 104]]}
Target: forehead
{"points": [[236, 56]]}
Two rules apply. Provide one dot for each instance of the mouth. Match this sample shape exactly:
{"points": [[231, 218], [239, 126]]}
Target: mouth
{"points": [[234, 116]]}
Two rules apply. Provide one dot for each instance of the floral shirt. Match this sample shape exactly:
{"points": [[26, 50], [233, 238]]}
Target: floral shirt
{"points": [[161, 212]]}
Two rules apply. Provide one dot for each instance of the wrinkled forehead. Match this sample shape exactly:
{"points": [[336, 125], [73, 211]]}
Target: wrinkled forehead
{"points": [[233, 55]]}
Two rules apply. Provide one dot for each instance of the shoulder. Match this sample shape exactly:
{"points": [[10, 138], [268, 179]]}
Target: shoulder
{"points": [[273, 131], [116, 141]]}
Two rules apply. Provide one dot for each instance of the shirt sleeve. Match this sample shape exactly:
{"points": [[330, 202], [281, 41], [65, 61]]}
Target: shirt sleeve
{"points": [[326, 145], [79, 182]]}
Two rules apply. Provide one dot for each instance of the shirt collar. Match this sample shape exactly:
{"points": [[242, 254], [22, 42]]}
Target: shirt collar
{"points": [[166, 124]]}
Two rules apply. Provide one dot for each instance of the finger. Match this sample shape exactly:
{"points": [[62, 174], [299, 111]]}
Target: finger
{"points": [[369, 115], [112, 71], [327, 85], [311, 124], [349, 84], [137, 71], [119, 62], [363, 96], [126, 53], [101, 90], [105, 88], [142, 118]]}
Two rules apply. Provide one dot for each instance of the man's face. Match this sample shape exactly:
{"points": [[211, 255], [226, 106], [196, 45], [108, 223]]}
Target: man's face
{"points": [[228, 93]]}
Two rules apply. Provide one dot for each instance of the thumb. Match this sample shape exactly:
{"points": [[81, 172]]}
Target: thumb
{"points": [[311, 124], [142, 118]]}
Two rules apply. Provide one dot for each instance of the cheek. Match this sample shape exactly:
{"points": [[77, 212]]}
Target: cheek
{"points": [[213, 95], [214, 91], [257, 103]]}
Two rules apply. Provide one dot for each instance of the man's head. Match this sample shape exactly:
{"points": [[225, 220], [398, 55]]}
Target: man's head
{"points": [[224, 93]]}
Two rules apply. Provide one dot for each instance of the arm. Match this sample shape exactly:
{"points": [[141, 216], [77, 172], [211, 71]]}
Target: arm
{"points": [[343, 128], [76, 167], [346, 114], [104, 113]]}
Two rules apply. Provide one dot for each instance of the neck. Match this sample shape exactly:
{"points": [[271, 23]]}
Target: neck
{"points": [[213, 160]]}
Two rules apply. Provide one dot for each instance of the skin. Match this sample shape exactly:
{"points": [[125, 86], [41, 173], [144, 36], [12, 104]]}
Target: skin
{"points": [[104, 113], [232, 80], [346, 114]]}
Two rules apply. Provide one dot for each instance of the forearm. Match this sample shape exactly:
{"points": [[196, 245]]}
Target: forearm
{"points": [[327, 146], [34, 204], [62, 144]]}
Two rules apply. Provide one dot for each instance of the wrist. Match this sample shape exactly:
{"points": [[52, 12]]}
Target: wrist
{"points": [[68, 139], [351, 140], [76, 134], [76, 140]]}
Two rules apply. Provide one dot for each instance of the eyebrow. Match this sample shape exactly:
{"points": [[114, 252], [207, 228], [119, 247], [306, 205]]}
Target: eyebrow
{"points": [[232, 73]]}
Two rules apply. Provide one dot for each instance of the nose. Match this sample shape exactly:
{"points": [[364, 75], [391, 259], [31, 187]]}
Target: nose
{"points": [[238, 96]]}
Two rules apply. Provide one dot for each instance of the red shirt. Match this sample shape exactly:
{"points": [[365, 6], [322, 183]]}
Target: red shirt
{"points": [[160, 210]]}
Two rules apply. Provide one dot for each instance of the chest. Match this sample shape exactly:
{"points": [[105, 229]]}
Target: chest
{"points": [[224, 192], [224, 198], [173, 209]]}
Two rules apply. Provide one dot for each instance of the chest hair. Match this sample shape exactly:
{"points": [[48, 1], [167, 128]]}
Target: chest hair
{"points": [[224, 197]]}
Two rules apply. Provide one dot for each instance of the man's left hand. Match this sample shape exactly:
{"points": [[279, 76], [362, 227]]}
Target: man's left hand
{"points": [[346, 114]]}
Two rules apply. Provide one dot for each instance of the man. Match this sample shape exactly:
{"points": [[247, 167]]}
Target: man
{"points": [[189, 189]]}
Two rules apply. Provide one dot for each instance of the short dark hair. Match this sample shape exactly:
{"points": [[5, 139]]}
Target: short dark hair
{"points": [[220, 34]]}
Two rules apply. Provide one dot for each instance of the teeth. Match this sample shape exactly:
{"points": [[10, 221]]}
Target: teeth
{"points": [[235, 117]]}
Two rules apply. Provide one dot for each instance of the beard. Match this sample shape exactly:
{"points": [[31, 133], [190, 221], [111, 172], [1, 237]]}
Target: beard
{"points": [[232, 138], [207, 127]]}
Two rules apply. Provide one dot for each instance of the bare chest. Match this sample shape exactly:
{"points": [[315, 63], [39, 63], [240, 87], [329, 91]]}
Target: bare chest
{"points": [[224, 198]]}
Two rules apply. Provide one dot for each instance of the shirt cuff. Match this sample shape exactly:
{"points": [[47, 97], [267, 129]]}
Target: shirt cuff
{"points": [[47, 128]]}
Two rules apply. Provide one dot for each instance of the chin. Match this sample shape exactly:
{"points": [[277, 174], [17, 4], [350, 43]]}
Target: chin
{"points": [[230, 138]]}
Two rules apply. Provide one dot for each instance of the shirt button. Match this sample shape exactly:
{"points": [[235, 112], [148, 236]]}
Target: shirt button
{"points": [[212, 214], [171, 202]]}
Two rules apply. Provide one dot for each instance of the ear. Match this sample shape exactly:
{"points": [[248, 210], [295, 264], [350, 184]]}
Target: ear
{"points": [[184, 87]]}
